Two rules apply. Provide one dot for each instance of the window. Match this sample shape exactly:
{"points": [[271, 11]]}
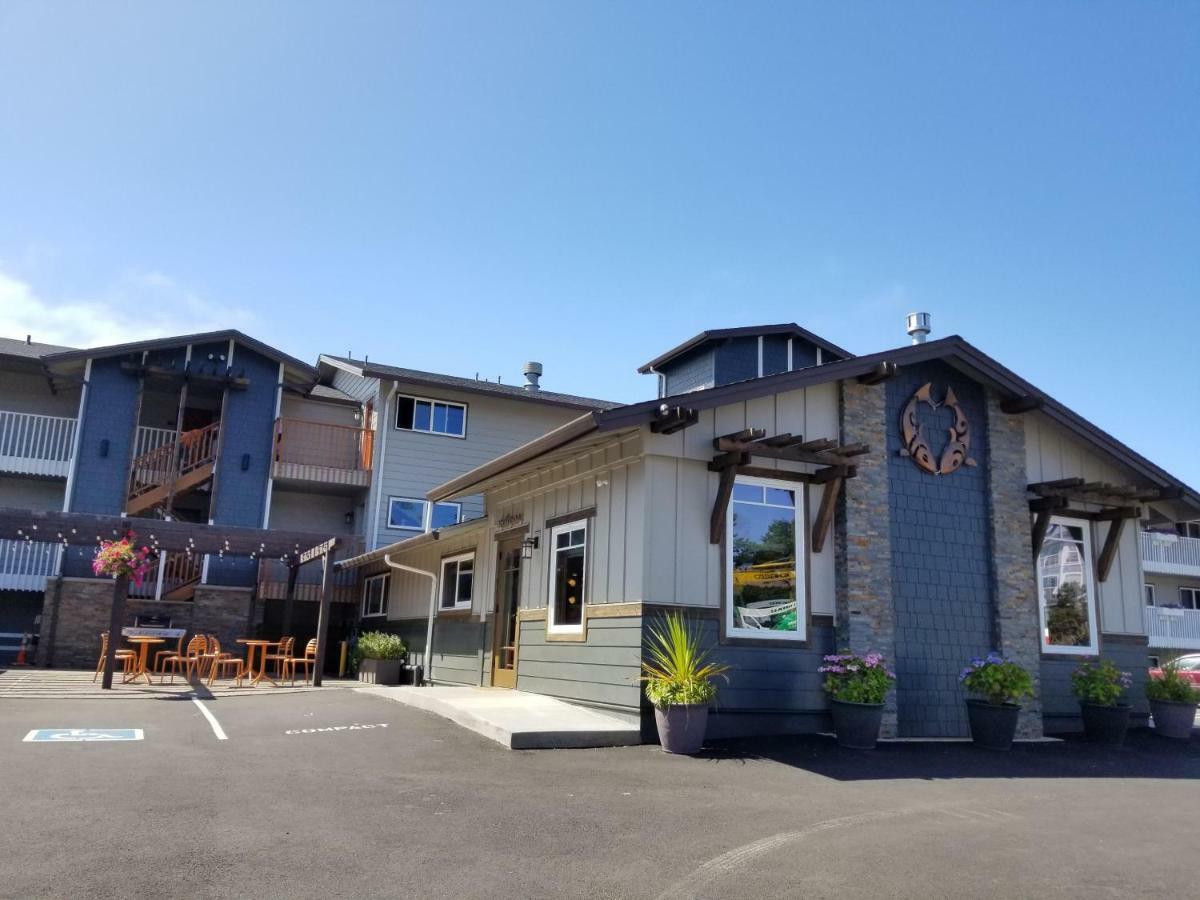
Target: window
{"points": [[1149, 595], [1189, 597], [431, 416], [568, 551], [458, 577], [1188, 529], [765, 586], [374, 599], [413, 515], [1066, 593]]}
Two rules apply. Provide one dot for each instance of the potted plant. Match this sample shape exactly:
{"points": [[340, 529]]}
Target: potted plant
{"points": [[122, 558], [378, 656], [1173, 701], [857, 686], [999, 686], [1100, 687], [679, 683]]}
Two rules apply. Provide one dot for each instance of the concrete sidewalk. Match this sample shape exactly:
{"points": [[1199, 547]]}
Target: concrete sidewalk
{"points": [[516, 719]]}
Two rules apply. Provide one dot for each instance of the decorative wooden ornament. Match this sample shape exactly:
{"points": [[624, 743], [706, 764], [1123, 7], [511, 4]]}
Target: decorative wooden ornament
{"points": [[958, 447]]}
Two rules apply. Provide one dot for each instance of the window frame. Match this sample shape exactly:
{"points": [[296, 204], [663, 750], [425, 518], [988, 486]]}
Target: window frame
{"points": [[383, 607], [1092, 648], [800, 537], [433, 402], [1150, 594], [426, 514], [1192, 589], [456, 561], [552, 553], [432, 506]]}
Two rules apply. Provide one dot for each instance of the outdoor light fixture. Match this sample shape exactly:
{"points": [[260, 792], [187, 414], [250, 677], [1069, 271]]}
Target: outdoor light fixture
{"points": [[528, 546], [349, 518], [245, 462], [104, 447]]}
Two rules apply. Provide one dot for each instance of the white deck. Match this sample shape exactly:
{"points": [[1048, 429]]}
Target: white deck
{"points": [[517, 719]]}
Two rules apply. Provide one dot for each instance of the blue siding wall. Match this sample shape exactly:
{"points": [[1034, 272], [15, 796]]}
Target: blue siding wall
{"points": [[804, 354], [775, 354], [736, 360], [941, 568], [101, 482], [689, 372]]}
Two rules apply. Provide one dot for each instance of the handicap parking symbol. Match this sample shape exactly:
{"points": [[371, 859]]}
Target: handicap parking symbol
{"points": [[61, 735]]}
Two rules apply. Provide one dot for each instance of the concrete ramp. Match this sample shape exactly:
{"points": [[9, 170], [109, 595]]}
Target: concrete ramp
{"points": [[517, 719]]}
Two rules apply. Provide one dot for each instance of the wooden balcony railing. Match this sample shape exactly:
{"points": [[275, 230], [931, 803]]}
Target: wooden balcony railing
{"points": [[36, 445], [179, 464], [170, 577], [307, 443]]}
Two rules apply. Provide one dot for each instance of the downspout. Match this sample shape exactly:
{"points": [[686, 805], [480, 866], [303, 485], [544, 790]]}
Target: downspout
{"points": [[387, 558], [377, 478]]}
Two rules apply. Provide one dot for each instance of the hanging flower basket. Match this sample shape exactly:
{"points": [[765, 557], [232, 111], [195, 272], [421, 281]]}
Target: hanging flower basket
{"points": [[117, 558]]}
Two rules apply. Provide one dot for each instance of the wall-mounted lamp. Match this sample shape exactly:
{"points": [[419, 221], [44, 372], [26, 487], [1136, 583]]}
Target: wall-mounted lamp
{"points": [[349, 519], [245, 462], [528, 546], [104, 447]]}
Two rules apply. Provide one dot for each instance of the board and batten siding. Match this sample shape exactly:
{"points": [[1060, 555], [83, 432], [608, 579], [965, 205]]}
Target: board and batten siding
{"points": [[682, 567], [310, 410], [1050, 454]]}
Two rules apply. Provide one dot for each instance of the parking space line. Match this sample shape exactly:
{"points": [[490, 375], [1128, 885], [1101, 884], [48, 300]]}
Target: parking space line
{"points": [[212, 720]]}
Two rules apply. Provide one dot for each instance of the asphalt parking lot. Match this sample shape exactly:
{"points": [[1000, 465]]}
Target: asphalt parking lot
{"points": [[423, 808]]}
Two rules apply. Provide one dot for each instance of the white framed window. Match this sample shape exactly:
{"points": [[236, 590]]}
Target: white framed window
{"points": [[1189, 597], [568, 573], [1066, 592], [1149, 594], [764, 554], [431, 416], [410, 514], [374, 596], [458, 582], [1188, 529]]}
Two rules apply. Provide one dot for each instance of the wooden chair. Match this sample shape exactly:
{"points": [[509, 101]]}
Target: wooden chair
{"points": [[282, 653], [127, 658], [189, 661], [308, 660], [161, 656]]}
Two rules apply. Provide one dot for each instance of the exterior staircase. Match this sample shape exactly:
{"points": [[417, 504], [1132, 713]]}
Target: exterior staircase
{"points": [[173, 468]]}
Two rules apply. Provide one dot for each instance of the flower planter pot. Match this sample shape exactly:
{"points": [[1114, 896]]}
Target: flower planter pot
{"points": [[681, 728], [379, 671], [1172, 719], [993, 726], [857, 724], [1105, 724]]}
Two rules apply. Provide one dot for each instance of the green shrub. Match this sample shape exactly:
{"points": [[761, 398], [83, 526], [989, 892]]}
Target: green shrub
{"points": [[379, 645], [1102, 683], [996, 679], [857, 679], [1172, 687], [678, 672]]}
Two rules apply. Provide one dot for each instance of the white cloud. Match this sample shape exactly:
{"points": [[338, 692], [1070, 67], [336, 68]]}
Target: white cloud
{"points": [[137, 306]]}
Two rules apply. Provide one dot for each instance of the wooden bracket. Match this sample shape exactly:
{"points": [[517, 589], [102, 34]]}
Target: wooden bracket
{"points": [[673, 419], [1015, 406], [825, 513], [716, 525], [879, 374], [1109, 553]]}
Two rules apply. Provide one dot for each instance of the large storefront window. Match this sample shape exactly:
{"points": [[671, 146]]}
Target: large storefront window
{"points": [[568, 552], [1065, 588], [765, 561]]}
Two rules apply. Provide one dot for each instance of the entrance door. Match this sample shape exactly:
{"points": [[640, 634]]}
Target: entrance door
{"points": [[508, 594]]}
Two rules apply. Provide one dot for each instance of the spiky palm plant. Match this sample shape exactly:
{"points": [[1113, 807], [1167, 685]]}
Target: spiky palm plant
{"points": [[677, 671]]}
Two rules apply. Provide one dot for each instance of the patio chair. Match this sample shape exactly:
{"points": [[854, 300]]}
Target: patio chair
{"points": [[282, 652], [127, 658], [189, 661], [307, 660], [214, 655], [160, 656], [223, 661]]}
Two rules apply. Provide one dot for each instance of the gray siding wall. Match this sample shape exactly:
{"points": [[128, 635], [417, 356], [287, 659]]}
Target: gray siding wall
{"points": [[457, 653], [1060, 708], [602, 671], [31, 493], [297, 511], [26, 393]]}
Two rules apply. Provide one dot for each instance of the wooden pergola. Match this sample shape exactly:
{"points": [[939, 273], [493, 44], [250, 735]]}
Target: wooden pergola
{"points": [[294, 548]]}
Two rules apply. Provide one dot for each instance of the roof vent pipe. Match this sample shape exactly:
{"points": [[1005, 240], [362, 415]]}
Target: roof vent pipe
{"points": [[917, 326], [533, 371]]}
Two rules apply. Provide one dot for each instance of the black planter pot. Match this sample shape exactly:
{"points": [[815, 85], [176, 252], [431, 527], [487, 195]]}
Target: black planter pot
{"points": [[992, 726], [1172, 719], [1105, 724], [857, 724], [681, 728]]}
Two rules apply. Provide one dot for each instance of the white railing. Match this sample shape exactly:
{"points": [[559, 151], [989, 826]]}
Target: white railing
{"points": [[1174, 629], [151, 439], [1170, 554], [25, 565], [36, 445]]}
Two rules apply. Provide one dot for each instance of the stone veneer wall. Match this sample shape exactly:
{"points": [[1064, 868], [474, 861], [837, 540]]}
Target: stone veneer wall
{"points": [[865, 616], [70, 634], [1017, 618]]}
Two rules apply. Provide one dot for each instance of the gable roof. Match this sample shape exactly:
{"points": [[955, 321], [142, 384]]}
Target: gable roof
{"points": [[952, 350], [790, 329], [470, 385]]}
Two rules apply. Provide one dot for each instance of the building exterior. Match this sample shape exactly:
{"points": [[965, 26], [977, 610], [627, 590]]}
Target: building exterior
{"points": [[1171, 563], [792, 514]]}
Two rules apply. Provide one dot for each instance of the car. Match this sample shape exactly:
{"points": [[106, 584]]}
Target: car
{"points": [[1189, 668]]}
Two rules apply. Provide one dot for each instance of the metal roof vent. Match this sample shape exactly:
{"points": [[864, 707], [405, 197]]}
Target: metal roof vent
{"points": [[917, 326], [532, 371]]}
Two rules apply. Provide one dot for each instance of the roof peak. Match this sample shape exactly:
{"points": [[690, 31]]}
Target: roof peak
{"points": [[790, 329]]}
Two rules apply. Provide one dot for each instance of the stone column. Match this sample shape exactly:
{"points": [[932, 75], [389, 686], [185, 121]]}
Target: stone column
{"points": [[1015, 598], [865, 615]]}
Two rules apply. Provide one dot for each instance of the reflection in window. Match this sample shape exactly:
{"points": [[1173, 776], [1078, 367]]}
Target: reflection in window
{"points": [[766, 593], [1066, 592], [567, 556]]}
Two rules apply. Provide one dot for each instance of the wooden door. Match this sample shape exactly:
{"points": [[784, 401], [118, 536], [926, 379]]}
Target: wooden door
{"points": [[508, 601]]}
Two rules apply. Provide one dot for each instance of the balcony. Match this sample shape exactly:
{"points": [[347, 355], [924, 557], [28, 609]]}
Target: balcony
{"points": [[273, 577], [25, 565], [1173, 629], [316, 453], [1169, 554], [36, 445]]}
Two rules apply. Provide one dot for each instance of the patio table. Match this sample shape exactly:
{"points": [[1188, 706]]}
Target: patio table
{"points": [[144, 643], [251, 644]]}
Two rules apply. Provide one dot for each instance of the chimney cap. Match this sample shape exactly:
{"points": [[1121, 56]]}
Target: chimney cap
{"points": [[532, 372], [917, 324]]}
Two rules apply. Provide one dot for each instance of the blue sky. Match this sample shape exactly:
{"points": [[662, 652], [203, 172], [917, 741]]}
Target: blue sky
{"points": [[460, 187]]}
